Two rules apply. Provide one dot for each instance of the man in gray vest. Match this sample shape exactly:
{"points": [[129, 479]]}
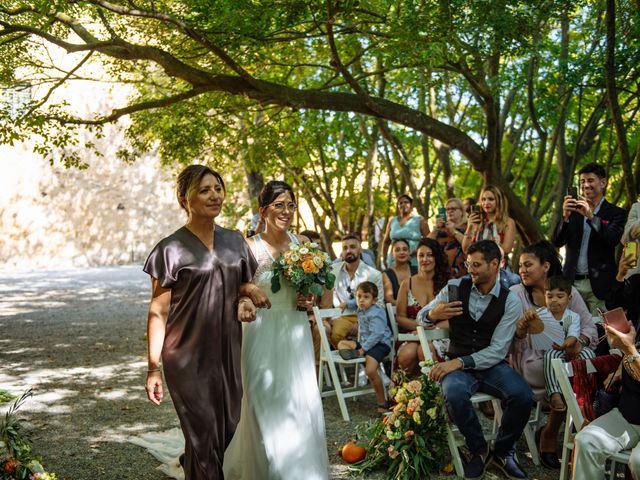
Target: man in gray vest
{"points": [[482, 322]]}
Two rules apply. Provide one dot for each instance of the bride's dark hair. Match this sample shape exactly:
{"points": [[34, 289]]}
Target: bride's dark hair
{"points": [[272, 190]]}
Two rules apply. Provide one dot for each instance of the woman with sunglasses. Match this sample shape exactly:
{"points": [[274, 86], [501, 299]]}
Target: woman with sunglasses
{"points": [[281, 431], [538, 262]]}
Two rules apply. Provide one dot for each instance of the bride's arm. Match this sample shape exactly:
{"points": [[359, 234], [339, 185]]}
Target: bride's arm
{"points": [[249, 289]]}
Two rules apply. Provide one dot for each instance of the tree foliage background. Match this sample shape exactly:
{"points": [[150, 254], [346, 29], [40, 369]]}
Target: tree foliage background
{"points": [[352, 101]]}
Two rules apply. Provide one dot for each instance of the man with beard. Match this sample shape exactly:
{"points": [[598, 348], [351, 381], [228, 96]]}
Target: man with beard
{"points": [[481, 316], [350, 272], [590, 228]]}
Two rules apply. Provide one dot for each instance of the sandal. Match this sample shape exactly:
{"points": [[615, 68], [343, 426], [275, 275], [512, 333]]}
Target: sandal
{"points": [[349, 353]]}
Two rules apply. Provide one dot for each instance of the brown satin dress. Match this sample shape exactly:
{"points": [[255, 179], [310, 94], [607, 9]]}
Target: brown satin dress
{"points": [[203, 340]]}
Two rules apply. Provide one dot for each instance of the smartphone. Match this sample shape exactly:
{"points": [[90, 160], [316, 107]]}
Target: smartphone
{"points": [[573, 192], [453, 293], [476, 208], [442, 213], [631, 249], [617, 319]]}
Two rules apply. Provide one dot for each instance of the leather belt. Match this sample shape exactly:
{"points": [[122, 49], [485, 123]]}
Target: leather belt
{"points": [[579, 276]]}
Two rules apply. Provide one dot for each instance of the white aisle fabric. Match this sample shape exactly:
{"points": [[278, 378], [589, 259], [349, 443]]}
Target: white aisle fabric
{"points": [[281, 432], [166, 447]]}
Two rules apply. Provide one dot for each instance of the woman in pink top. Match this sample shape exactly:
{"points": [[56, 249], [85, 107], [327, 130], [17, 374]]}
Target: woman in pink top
{"points": [[538, 262]]}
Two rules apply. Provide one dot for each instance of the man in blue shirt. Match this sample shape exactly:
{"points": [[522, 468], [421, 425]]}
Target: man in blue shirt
{"points": [[482, 323]]}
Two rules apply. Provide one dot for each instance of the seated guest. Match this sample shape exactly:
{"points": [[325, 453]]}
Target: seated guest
{"points": [[481, 327], [625, 291], [590, 229], [350, 272], [415, 292], [620, 428], [449, 233], [375, 338], [538, 262], [401, 270], [632, 232]]}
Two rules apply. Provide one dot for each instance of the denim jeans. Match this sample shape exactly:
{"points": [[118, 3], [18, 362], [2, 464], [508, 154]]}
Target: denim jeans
{"points": [[502, 382]]}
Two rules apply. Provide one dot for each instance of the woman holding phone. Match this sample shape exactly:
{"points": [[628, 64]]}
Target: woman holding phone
{"points": [[449, 232], [492, 221]]}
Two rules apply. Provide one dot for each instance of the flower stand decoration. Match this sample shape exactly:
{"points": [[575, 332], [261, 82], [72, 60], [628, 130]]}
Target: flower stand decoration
{"points": [[410, 442], [17, 462]]}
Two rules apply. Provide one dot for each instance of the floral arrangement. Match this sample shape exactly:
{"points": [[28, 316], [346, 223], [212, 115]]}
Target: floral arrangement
{"points": [[411, 440], [16, 459], [305, 267]]}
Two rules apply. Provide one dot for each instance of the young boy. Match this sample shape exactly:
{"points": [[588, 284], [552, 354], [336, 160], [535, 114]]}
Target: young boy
{"points": [[557, 297], [375, 337]]}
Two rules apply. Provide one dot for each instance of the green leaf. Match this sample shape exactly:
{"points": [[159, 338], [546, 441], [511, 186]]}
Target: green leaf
{"points": [[316, 289], [275, 283]]}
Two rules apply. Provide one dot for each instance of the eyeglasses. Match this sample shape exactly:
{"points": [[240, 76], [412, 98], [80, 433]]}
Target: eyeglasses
{"points": [[473, 265], [281, 206]]}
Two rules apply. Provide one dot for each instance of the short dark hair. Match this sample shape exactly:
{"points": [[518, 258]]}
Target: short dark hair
{"points": [[368, 287], [488, 248], [404, 195], [311, 235], [350, 236], [558, 282], [593, 168]]}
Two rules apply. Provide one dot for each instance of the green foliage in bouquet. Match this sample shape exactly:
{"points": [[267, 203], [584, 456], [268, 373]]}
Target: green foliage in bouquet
{"points": [[17, 461], [305, 267], [410, 442]]}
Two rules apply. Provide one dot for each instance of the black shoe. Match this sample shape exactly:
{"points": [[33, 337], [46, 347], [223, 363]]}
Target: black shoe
{"points": [[549, 460], [508, 466], [474, 468], [349, 354], [181, 460]]}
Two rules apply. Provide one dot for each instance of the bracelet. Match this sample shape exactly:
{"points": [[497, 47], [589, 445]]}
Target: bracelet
{"points": [[151, 370]]}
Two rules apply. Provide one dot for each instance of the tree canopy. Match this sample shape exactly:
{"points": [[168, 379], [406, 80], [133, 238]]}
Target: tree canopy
{"points": [[427, 96]]}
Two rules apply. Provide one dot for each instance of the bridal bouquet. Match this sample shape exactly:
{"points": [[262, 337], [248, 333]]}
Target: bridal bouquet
{"points": [[305, 267], [410, 442]]}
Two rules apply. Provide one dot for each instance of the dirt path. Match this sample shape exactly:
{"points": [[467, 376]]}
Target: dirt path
{"points": [[77, 338]]}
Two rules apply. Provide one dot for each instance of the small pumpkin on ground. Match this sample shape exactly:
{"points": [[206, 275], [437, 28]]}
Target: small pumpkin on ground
{"points": [[352, 453]]}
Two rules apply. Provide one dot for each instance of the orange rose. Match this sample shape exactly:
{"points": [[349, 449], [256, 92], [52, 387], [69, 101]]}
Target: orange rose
{"points": [[309, 267]]}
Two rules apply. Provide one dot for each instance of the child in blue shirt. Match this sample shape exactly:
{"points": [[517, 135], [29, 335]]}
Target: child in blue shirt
{"points": [[375, 337]]}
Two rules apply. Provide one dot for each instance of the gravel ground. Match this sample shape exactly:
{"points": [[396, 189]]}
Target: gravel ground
{"points": [[77, 338]]}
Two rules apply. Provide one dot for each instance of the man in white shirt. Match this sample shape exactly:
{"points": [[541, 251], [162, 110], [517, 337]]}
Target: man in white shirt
{"points": [[350, 272]]}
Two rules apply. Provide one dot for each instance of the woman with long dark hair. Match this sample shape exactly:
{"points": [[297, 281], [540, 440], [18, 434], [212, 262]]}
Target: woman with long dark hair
{"points": [[416, 292], [281, 431], [538, 262]]}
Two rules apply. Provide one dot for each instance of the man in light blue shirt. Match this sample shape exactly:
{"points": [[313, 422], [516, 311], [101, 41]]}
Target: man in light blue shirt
{"points": [[482, 322]]}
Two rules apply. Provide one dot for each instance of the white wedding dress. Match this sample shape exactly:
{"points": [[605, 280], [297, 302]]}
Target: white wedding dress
{"points": [[281, 431]]}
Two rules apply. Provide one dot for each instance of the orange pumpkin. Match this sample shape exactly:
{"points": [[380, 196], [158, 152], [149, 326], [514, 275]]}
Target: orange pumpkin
{"points": [[352, 453]]}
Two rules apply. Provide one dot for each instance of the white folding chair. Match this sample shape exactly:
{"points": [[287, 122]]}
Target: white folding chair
{"points": [[454, 441], [397, 336], [575, 420], [331, 360]]}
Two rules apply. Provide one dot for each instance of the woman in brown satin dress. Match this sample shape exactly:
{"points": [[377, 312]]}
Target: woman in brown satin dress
{"points": [[199, 275]]}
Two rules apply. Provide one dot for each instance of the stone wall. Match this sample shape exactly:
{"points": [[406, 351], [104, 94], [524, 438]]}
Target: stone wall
{"points": [[110, 213]]}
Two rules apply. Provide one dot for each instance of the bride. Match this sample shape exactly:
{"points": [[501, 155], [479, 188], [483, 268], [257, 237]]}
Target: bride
{"points": [[281, 431]]}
